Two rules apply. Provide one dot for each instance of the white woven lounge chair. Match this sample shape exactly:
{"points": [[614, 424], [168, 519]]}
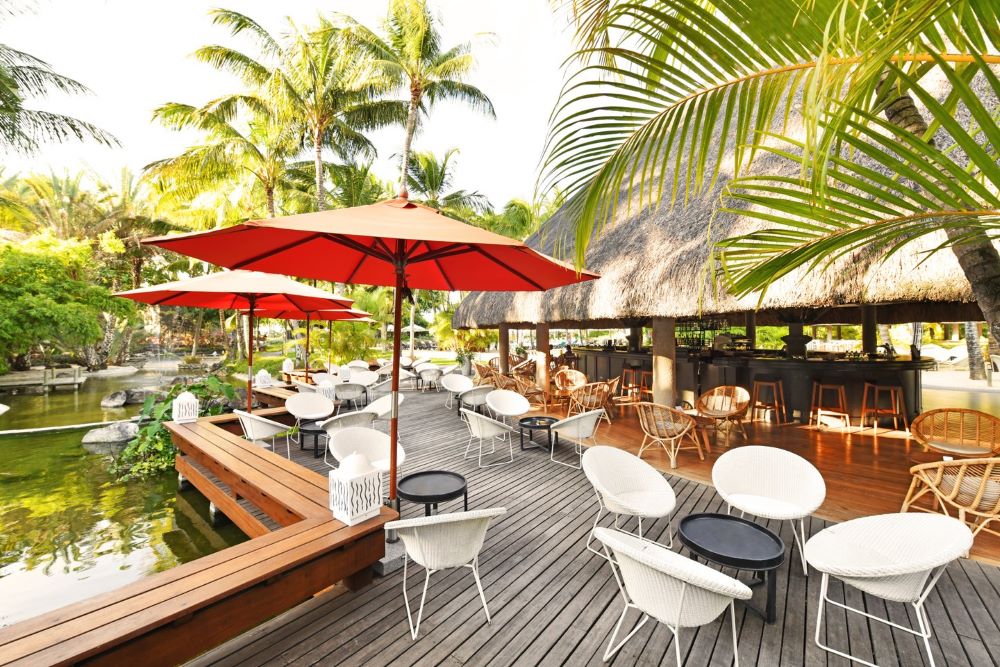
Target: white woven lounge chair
{"points": [[505, 403], [475, 398], [344, 420], [443, 542], [896, 557], [674, 590], [455, 384], [627, 485], [262, 431], [309, 407], [430, 376], [484, 429], [374, 445], [577, 428], [351, 392], [770, 483]]}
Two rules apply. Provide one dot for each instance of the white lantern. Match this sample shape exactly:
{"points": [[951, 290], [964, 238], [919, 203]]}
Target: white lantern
{"points": [[287, 366], [184, 408], [262, 379], [345, 373], [326, 389], [355, 490]]}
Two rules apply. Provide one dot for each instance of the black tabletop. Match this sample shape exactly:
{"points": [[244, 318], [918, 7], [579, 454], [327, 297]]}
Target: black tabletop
{"points": [[537, 422], [730, 540], [431, 486], [311, 427]]}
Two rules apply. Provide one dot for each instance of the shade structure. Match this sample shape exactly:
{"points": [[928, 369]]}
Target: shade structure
{"points": [[251, 291], [396, 243], [331, 316]]}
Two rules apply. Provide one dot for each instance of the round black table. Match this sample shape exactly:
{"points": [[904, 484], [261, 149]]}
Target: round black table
{"points": [[735, 542], [313, 429], [431, 487], [537, 424]]}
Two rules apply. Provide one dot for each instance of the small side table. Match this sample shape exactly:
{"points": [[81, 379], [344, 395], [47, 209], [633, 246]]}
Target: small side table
{"points": [[536, 424], [431, 487], [735, 542], [313, 429]]}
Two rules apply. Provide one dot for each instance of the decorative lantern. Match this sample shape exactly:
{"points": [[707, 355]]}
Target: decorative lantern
{"points": [[262, 379], [355, 490], [287, 366], [185, 408], [326, 389], [345, 373]]}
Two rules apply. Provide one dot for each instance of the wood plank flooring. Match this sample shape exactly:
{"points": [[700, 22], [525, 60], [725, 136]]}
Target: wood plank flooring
{"points": [[553, 602]]}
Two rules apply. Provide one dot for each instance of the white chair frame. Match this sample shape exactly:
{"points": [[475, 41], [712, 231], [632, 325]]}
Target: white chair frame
{"points": [[572, 427], [482, 427], [248, 421]]}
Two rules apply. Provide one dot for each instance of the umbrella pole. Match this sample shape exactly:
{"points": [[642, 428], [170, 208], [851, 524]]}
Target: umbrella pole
{"points": [[307, 347], [394, 417], [250, 359], [329, 345]]}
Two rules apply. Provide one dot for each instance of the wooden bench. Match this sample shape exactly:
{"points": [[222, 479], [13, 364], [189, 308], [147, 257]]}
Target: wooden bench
{"points": [[274, 396], [172, 616]]}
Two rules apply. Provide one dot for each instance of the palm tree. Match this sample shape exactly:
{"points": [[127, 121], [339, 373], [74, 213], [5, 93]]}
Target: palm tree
{"points": [[261, 150], [431, 179], [690, 84], [59, 205], [520, 218], [320, 85], [355, 184], [409, 57]]}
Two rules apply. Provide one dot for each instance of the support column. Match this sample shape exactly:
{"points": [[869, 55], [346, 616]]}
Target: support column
{"points": [[664, 361], [542, 356], [504, 347], [751, 323], [869, 330]]}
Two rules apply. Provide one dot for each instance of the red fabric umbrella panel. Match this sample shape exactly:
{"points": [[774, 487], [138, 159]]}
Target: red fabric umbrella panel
{"points": [[251, 291], [396, 243]]}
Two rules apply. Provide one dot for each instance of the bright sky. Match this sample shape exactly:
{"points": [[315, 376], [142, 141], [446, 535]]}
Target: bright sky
{"points": [[135, 56]]}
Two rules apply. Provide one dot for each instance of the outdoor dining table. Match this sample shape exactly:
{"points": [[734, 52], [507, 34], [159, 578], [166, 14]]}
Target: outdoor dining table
{"points": [[537, 423], [431, 487], [736, 542]]}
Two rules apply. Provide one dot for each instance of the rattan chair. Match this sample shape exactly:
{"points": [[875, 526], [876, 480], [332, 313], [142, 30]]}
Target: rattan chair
{"points": [[483, 374], [531, 391], [667, 428], [727, 405], [589, 397], [969, 489], [957, 432], [565, 381]]}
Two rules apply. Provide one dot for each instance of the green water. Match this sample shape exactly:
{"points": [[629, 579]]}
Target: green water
{"points": [[67, 529]]}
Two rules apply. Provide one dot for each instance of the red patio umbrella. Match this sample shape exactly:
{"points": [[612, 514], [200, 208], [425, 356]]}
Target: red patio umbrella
{"points": [[329, 316], [252, 291], [395, 243]]}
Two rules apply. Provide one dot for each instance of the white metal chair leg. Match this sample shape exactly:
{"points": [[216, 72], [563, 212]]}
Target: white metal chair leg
{"points": [[800, 536], [479, 585], [579, 454], [732, 619], [614, 648], [414, 629]]}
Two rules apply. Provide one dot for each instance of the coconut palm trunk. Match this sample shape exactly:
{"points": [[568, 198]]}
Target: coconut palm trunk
{"points": [[977, 364], [318, 163], [411, 128]]}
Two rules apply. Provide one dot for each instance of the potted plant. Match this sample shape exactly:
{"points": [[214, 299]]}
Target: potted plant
{"points": [[464, 359]]}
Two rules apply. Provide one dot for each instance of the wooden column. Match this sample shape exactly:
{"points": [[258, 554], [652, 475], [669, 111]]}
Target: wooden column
{"points": [[664, 361], [504, 347], [796, 329], [869, 330], [543, 356], [751, 323]]}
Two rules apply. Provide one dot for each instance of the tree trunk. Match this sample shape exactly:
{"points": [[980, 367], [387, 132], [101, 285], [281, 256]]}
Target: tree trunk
{"points": [[198, 319], [977, 256], [318, 163], [413, 314], [411, 128], [227, 347], [269, 193], [977, 366], [918, 334]]}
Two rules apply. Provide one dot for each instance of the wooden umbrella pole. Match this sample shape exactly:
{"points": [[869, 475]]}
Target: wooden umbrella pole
{"points": [[394, 417], [307, 347], [329, 345], [250, 358]]}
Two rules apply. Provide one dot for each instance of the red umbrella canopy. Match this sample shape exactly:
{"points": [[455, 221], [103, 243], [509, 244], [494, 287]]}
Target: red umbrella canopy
{"points": [[239, 290], [315, 315], [366, 245]]}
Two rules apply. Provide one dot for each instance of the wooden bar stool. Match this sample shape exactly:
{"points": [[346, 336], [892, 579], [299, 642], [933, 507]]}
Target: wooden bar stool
{"points": [[819, 407], [630, 386], [646, 386], [872, 404], [777, 402]]}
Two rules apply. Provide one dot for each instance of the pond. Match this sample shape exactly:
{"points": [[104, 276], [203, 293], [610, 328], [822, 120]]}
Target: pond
{"points": [[68, 530]]}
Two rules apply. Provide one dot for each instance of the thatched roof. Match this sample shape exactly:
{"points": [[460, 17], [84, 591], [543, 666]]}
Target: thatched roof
{"points": [[653, 263]]}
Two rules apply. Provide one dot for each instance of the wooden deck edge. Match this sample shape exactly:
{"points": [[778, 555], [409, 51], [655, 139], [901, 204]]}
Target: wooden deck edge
{"points": [[246, 521]]}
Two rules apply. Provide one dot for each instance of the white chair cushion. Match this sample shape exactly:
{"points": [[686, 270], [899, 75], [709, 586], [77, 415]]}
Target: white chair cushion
{"points": [[650, 504]]}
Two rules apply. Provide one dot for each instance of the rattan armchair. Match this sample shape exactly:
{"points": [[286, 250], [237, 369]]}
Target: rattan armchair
{"points": [[483, 373], [968, 489], [589, 397], [566, 380], [957, 432], [727, 405], [531, 391], [667, 428]]}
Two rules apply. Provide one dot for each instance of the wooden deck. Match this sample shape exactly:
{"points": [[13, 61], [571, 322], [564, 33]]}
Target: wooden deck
{"points": [[555, 603]]}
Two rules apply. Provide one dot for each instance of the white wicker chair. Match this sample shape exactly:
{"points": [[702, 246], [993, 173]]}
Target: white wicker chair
{"points": [[304, 387], [321, 377], [484, 428], [577, 428], [344, 420], [350, 392], [382, 407], [430, 376], [475, 398], [358, 363], [309, 407], [327, 389], [674, 590], [896, 557], [627, 485], [262, 431], [443, 542], [455, 384], [374, 445], [505, 403], [770, 483]]}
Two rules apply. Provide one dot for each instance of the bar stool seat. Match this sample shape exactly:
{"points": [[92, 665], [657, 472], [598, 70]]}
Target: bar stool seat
{"points": [[777, 402], [872, 405], [838, 408], [631, 384]]}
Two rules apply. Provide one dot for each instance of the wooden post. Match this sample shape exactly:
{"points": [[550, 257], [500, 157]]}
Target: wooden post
{"points": [[869, 330], [751, 323], [543, 356], [664, 361], [504, 347]]}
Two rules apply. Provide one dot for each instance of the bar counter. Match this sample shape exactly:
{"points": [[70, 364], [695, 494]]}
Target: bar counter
{"points": [[698, 371]]}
